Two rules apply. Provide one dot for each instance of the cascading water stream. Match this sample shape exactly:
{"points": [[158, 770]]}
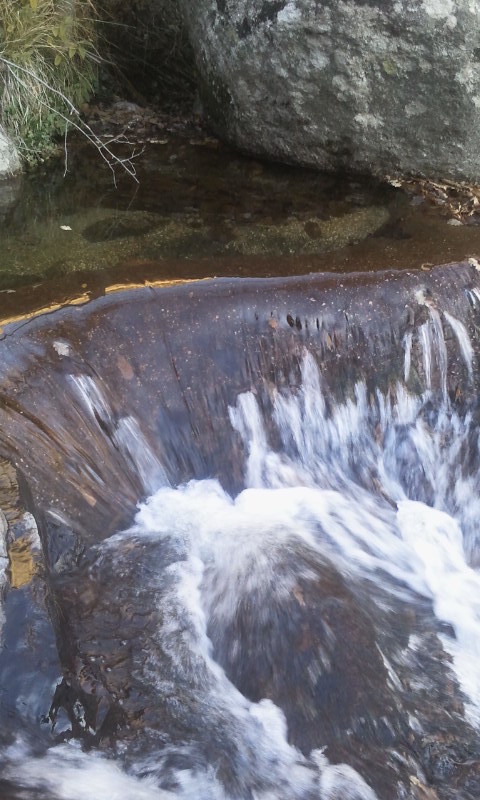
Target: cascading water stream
{"points": [[307, 629]]}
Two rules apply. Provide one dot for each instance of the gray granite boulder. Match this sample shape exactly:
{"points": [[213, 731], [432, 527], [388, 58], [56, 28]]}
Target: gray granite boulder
{"points": [[379, 86], [9, 158]]}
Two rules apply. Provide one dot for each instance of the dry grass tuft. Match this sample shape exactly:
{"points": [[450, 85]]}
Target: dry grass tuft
{"points": [[48, 68]]}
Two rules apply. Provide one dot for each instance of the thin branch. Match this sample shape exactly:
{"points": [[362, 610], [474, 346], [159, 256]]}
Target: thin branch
{"points": [[110, 158]]}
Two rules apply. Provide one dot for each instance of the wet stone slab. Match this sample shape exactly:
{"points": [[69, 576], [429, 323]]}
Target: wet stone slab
{"points": [[102, 404]]}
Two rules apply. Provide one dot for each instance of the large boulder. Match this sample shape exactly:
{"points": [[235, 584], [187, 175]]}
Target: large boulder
{"points": [[9, 158], [379, 86]]}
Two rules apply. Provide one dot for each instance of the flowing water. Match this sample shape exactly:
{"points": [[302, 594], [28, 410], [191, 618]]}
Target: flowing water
{"points": [[292, 609], [310, 632]]}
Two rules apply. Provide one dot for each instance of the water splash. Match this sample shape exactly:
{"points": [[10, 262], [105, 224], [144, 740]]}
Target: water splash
{"points": [[396, 447], [464, 342], [68, 773], [436, 540], [383, 486], [407, 344], [371, 485], [124, 432]]}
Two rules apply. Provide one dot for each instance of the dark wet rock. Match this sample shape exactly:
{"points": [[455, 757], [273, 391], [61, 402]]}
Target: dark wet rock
{"points": [[375, 86], [132, 676], [313, 660], [29, 663]]}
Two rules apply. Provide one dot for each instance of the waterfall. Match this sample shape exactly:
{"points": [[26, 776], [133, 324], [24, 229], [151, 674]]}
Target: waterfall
{"points": [[303, 631], [407, 342], [464, 342], [433, 345], [347, 485]]}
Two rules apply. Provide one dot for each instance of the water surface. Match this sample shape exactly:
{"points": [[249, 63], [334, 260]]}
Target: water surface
{"points": [[200, 210]]}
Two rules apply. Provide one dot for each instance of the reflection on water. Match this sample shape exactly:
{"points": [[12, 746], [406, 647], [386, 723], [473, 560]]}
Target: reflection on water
{"points": [[212, 211], [192, 202]]}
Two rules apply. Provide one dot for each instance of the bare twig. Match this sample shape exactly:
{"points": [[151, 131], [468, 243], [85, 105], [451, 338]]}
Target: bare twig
{"points": [[75, 120]]}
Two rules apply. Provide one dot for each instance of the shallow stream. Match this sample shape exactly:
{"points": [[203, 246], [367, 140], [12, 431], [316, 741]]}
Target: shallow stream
{"points": [[200, 210], [240, 555]]}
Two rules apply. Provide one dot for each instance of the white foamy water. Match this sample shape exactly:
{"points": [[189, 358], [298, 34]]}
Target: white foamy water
{"points": [[381, 486], [432, 549], [67, 773], [317, 492], [3, 566], [464, 342], [435, 540]]}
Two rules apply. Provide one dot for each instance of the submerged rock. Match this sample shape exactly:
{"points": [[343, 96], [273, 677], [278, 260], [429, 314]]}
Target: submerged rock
{"points": [[119, 226], [313, 236], [362, 84]]}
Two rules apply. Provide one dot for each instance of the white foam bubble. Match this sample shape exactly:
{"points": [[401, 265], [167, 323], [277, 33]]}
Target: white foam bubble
{"points": [[435, 539], [464, 341], [67, 773]]}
